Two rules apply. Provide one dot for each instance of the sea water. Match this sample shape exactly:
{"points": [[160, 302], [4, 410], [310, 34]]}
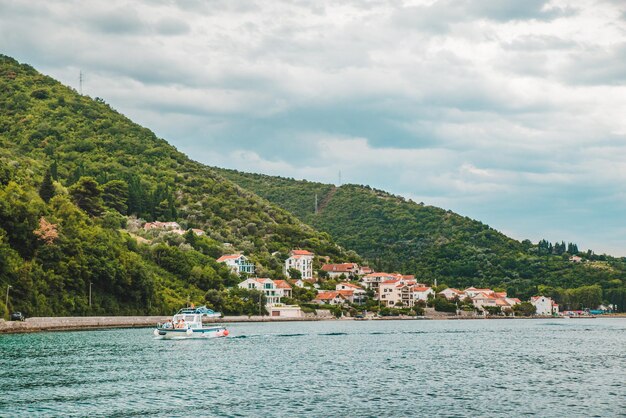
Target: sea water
{"points": [[548, 367]]}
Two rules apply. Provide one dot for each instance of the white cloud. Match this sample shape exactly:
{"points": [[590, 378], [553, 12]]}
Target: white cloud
{"points": [[509, 112]]}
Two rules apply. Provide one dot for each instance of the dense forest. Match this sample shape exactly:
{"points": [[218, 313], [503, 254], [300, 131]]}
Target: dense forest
{"points": [[74, 174], [396, 234]]}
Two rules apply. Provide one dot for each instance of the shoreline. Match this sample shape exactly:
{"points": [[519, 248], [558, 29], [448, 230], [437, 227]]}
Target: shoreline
{"points": [[86, 323]]}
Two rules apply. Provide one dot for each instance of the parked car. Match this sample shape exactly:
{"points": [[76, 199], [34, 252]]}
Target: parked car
{"points": [[17, 316]]}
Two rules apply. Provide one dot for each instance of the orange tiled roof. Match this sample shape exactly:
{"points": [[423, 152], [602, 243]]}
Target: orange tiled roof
{"points": [[329, 295], [282, 284], [340, 268], [228, 257], [347, 293], [354, 286], [301, 252]]}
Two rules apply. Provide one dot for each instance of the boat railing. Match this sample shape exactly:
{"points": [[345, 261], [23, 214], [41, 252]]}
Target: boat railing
{"points": [[200, 310]]}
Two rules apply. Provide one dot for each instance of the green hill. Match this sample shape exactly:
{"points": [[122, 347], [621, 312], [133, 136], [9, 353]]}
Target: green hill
{"points": [[88, 171], [396, 234]]}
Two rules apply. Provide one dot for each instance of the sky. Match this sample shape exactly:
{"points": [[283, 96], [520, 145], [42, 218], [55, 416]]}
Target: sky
{"points": [[509, 112]]}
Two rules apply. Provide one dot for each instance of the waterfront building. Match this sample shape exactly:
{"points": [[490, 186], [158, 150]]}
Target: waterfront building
{"points": [[472, 291], [358, 295], [373, 280], [285, 311], [545, 306], [480, 300], [422, 293], [283, 288], [302, 261], [330, 298], [451, 293], [267, 286], [397, 292], [238, 263]]}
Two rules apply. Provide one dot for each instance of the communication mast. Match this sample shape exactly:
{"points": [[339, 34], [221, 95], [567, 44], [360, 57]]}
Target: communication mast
{"points": [[80, 82]]}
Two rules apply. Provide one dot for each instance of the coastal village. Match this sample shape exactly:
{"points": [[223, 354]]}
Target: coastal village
{"points": [[356, 284], [351, 289]]}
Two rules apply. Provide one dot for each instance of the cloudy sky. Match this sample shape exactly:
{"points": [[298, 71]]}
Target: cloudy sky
{"points": [[509, 112]]}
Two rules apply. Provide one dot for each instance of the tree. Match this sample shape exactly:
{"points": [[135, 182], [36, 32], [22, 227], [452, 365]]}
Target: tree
{"points": [[442, 304], [492, 310], [87, 195], [46, 232], [294, 274], [46, 189], [115, 195], [524, 309]]}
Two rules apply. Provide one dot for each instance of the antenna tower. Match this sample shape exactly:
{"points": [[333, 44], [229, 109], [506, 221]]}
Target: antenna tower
{"points": [[80, 82]]}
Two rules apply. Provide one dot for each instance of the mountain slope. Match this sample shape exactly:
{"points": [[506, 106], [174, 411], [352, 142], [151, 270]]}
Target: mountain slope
{"points": [[432, 243], [46, 127]]}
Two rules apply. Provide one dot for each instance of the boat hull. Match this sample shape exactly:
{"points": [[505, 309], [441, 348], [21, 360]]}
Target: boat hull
{"points": [[184, 334]]}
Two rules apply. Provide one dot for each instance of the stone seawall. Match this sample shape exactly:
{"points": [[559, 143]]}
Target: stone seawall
{"points": [[36, 324], [85, 322]]}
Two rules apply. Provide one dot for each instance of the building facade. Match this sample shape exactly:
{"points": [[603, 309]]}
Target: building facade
{"points": [[238, 263], [302, 261]]}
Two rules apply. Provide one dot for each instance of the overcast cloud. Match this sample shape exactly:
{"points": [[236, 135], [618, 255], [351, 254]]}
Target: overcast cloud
{"points": [[512, 113]]}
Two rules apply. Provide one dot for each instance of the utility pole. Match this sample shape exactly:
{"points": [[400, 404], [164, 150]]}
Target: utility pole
{"points": [[7, 300], [90, 283]]}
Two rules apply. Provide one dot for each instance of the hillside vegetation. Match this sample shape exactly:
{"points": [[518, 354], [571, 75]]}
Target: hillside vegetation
{"points": [[73, 172], [396, 234]]}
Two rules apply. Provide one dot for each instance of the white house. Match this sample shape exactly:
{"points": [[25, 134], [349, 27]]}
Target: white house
{"points": [[283, 288], [373, 280], [358, 293], [336, 270], [451, 293], [472, 291], [266, 286], [238, 263], [545, 306], [330, 298], [422, 293], [397, 291], [481, 300], [302, 261]]}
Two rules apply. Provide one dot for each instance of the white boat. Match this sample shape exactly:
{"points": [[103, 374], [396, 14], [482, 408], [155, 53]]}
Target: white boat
{"points": [[187, 323]]}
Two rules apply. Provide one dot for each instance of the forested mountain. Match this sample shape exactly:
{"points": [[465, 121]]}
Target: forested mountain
{"points": [[73, 172], [396, 234], [77, 178]]}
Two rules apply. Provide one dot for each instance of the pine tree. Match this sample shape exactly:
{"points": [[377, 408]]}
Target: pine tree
{"points": [[54, 170], [46, 189]]}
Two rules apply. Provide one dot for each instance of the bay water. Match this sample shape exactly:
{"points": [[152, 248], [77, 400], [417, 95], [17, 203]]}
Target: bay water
{"points": [[544, 367]]}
